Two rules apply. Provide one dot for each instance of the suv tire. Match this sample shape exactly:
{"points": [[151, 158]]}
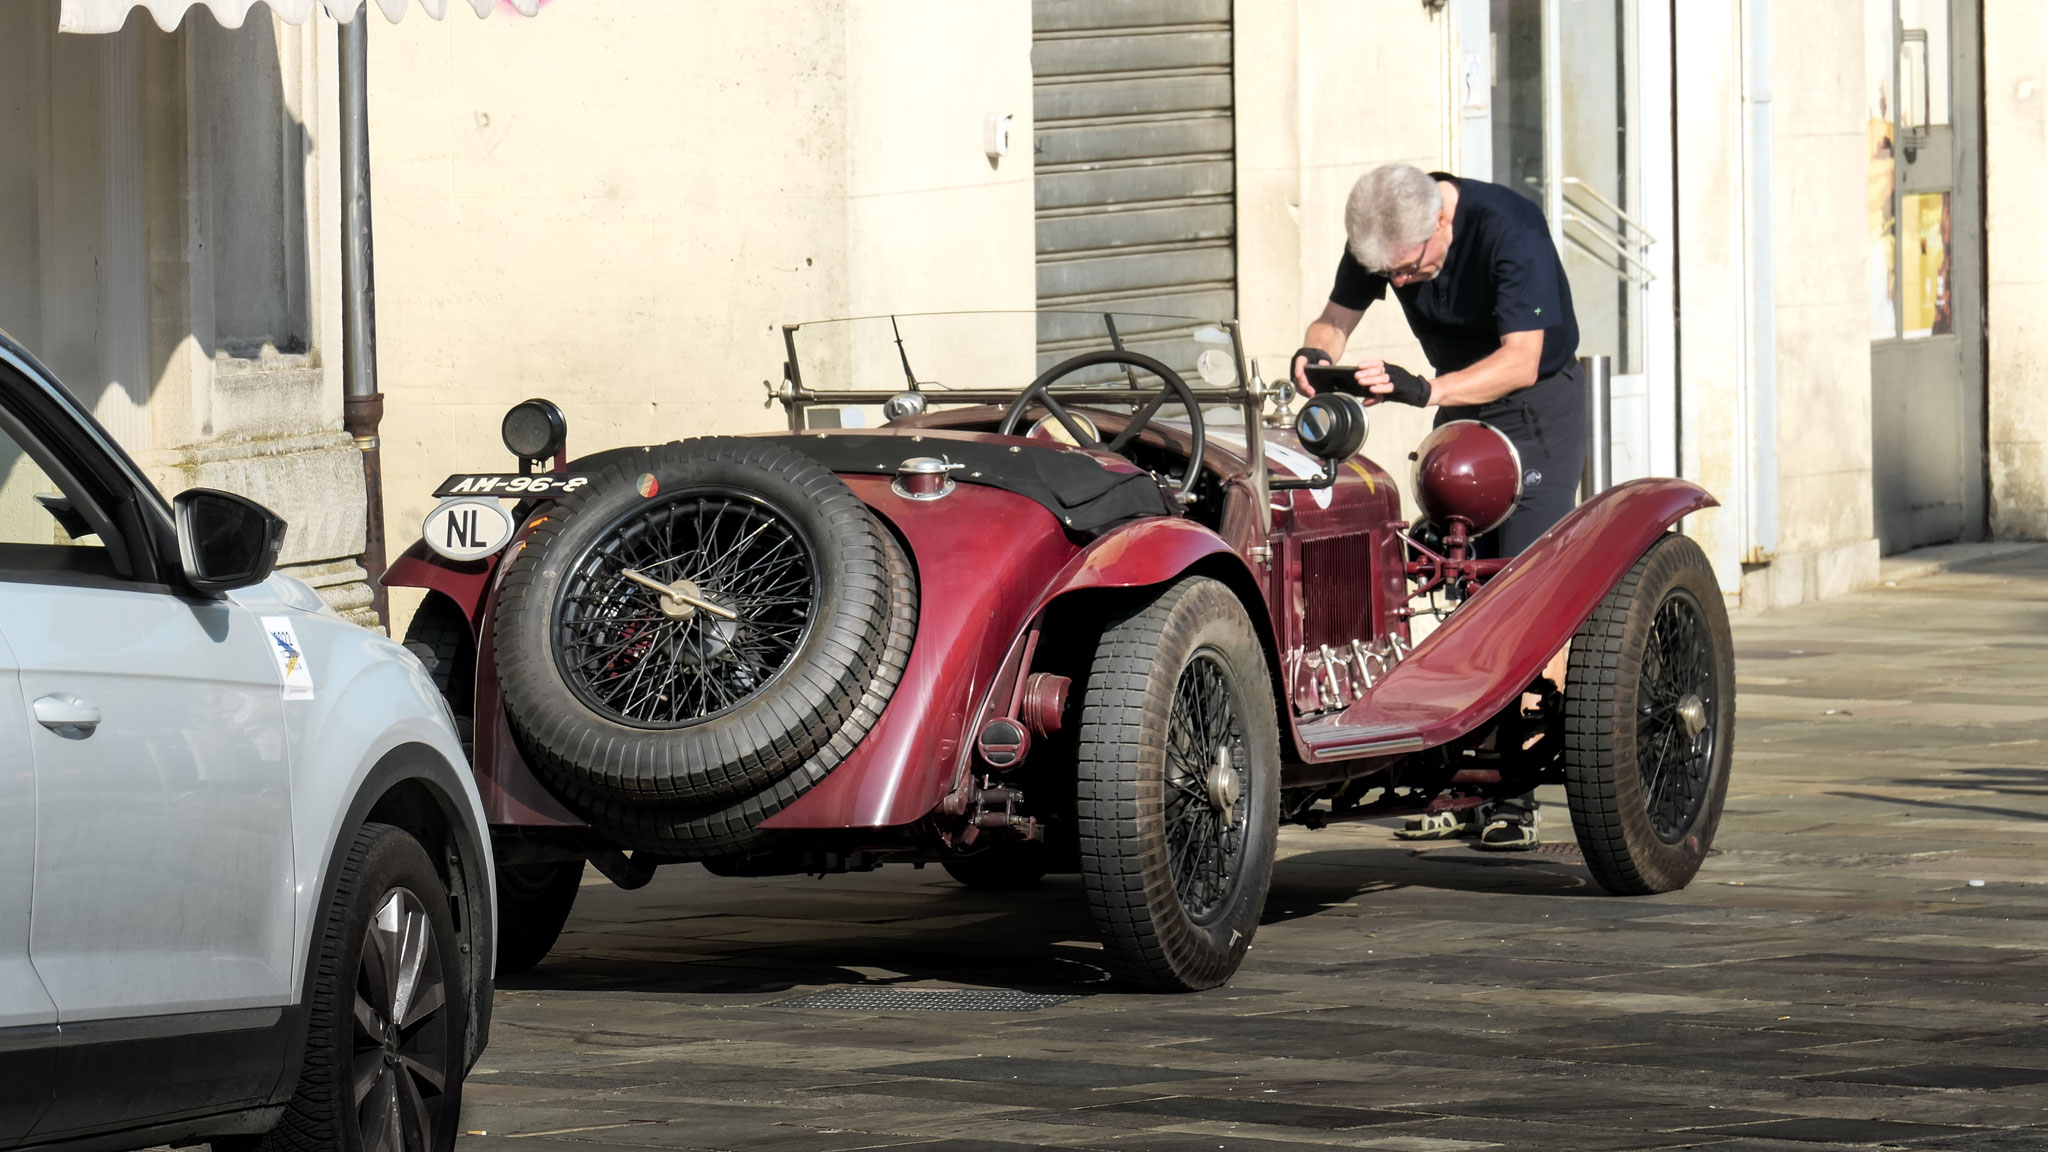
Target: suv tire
{"points": [[386, 896]]}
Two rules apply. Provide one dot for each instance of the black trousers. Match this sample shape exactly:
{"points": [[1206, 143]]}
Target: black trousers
{"points": [[1547, 423]]}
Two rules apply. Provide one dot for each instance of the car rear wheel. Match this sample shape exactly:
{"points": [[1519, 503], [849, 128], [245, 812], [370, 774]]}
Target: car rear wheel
{"points": [[1650, 722], [383, 1066], [1178, 790], [534, 901], [1002, 867]]}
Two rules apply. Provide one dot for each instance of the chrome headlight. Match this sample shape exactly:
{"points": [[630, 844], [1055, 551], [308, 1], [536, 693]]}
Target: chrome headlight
{"points": [[904, 404]]}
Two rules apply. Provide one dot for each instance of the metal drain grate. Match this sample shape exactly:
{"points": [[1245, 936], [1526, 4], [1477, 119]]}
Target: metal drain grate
{"points": [[925, 1000], [1558, 848]]}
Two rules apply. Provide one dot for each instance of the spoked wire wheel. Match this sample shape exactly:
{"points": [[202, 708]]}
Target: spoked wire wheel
{"points": [[694, 629], [403, 1058], [685, 609], [1177, 788], [1650, 722], [1675, 697], [1205, 756]]}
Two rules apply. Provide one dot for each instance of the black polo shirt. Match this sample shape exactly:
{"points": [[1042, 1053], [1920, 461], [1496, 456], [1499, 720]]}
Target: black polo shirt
{"points": [[1500, 275]]}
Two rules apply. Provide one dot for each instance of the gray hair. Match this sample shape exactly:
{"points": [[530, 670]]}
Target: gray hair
{"points": [[1392, 207]]}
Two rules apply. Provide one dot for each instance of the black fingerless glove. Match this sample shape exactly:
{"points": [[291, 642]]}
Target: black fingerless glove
{"points": [[1408, 387], [1312, 354]]}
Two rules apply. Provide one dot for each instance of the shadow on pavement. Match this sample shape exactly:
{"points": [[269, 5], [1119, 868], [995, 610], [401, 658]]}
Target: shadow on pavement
{"points": [[692, 934]]}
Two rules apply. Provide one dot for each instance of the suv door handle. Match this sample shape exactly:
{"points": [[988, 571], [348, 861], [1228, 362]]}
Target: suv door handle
{"points": [[67, 712]]}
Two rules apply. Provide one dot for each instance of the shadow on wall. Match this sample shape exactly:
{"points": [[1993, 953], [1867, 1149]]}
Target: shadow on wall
{"points": [[152, 189]]}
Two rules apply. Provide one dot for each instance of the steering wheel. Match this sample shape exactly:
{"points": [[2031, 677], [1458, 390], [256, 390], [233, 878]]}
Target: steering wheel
{"points": [[1175, 388]]}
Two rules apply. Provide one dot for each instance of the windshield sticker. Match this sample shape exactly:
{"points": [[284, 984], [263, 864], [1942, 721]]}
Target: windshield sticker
{"points": [[292, 667]]}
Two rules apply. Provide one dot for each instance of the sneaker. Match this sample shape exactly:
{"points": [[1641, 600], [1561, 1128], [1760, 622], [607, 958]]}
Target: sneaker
{"points": [[1508, 834], [1446, 825]]}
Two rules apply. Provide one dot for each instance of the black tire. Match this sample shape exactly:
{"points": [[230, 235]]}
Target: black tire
{"points": [[1188, 658], [698, 833], [534, 901], [382, 869], [1646, 786], [1008, 866], [440, 636], [592, 671]]}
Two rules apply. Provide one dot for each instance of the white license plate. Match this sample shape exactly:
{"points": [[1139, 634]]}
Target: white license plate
{"points": [[523, 487]]}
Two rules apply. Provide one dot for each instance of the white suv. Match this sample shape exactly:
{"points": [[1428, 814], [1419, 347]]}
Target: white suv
{"points": [[245, 884]]}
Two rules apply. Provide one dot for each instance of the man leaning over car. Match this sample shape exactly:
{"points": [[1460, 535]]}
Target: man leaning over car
{"points": [[1485, 294]]}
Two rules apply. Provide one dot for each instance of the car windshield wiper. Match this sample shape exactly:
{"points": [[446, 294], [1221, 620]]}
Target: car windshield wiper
{"points": [[902, 355]]}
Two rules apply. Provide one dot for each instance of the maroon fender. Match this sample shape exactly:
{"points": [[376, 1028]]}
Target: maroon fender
{"points": [[466, 582], [510, 791], [1493, 646], [989, 562], [1137, 554], [982, 556]]}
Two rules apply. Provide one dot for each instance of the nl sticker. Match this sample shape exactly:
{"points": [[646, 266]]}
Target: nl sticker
{"points": [[291, 658]]}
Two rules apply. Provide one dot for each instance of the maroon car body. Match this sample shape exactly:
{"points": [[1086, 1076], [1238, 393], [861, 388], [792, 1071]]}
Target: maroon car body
{"points": [[1368, 723]]}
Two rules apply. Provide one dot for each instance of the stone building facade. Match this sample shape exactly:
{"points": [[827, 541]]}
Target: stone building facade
{"points": [[1778, 218]]}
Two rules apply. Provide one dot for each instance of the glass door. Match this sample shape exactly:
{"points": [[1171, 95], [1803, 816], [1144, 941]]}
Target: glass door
{"points": [[1554, 99], [1926, 316]]}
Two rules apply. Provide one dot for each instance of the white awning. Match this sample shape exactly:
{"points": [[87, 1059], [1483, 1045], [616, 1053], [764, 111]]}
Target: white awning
{"points": [[110, 15]]}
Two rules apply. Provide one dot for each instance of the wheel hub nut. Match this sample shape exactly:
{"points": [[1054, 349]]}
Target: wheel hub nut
{"points": [[676, 609], [1224, 784], [1692, 711]]}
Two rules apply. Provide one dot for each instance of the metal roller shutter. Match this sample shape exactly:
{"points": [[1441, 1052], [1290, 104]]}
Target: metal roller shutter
{"points": [[1135, 177]]}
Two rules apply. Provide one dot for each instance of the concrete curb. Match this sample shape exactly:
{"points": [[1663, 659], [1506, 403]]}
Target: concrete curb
{"points": [[1924, 562]]}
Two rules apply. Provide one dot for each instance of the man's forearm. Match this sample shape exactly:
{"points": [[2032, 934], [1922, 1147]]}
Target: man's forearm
{"points": [[1327, 336], [1509, 369]]}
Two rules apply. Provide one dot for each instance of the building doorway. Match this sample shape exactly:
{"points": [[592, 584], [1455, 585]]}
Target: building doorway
{"points": [[1569, 104], [1926, 265]]}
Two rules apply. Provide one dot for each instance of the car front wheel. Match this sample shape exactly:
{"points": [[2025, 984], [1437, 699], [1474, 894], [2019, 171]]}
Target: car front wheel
{"points": [[1179, 772], [383, 1065], [1650, 722]]}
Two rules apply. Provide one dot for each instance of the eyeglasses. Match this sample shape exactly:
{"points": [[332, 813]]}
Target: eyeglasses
{"points": [[1410, 268]]}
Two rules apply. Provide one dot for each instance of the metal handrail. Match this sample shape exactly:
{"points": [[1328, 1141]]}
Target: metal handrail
{"points": [[1611, 206], [1614, 245]]}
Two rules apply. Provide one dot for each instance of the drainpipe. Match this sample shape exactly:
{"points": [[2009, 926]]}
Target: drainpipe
{"points": [[362, 406], [1762, 544]]}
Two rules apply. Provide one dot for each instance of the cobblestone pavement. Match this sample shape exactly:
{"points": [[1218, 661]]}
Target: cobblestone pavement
{"points": [[1861, 965]]}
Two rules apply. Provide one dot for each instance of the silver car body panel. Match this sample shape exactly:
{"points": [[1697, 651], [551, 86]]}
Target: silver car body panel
{"points": [[164, 876], [370, 697], [23, 1001]]}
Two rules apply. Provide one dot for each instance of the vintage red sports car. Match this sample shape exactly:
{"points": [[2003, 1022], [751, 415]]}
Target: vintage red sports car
{"points": [[1111, 622]]}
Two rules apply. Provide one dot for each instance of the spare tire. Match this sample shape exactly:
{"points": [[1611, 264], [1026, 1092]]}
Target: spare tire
{"points": [[693, 627], [700, 832]]}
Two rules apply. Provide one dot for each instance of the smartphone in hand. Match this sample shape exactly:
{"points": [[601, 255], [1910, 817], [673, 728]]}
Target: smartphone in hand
{"points": [[1338, 378]]}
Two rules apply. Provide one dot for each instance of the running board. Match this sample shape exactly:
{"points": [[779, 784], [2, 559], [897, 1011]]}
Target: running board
{"points": [[1331, 740]]}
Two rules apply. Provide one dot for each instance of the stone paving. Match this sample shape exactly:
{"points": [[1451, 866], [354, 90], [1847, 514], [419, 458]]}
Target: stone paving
{"points": [[1861, 965]]}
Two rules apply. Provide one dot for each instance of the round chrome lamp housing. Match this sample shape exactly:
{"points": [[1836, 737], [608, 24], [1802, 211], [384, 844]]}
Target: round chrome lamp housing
{"points": [[1468, 471], [534, 429], [904, 404], [1331, 426]]}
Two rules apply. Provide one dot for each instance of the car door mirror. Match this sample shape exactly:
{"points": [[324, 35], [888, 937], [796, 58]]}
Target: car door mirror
{"points": [[225, 541]]}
